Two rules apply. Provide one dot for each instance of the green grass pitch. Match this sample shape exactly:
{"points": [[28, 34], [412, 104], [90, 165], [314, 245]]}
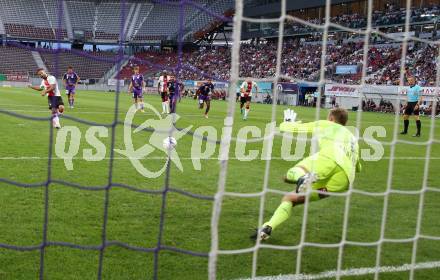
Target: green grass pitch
{"points": [[76, 216]]}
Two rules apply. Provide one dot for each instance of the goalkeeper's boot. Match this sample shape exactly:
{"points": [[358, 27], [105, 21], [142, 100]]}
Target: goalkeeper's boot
{"points": [[403, 133], [416, 135], [263, 234], [305, 182]]}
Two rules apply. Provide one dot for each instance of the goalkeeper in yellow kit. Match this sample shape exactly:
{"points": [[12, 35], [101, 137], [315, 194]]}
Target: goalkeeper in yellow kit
{"points": [[329, 170]]}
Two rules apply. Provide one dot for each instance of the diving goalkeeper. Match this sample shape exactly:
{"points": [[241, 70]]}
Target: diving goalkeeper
{"points": [[330, 170]]}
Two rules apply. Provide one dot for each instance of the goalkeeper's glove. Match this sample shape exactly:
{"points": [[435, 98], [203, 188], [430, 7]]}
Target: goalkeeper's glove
{"points": [[289, 115]]}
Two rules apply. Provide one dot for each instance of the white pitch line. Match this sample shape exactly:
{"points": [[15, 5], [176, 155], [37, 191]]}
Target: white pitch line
{"points": [[184, 158], [349, 272], [78, 111]]}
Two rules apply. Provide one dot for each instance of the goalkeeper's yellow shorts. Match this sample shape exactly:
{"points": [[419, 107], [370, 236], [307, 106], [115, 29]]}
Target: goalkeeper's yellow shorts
{"points": [[330, 176]]}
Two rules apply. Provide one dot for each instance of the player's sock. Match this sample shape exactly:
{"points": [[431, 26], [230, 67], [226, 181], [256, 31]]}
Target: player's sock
{"points": [[246, 113], [167, 107], [55, 120], [280, 215], [163, 107], [419, 126], [142, 105], [405, 126]]}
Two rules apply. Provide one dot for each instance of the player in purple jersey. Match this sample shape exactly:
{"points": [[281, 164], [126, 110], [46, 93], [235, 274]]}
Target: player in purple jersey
{"points": [[70, 81], [204, 93], [136, 87], [173, 92]]}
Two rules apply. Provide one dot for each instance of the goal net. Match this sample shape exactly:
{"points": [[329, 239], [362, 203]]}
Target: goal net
{"points": [[381, 192]]}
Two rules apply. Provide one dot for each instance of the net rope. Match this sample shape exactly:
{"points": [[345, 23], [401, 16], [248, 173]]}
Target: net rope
{"points": [[344, 242]]}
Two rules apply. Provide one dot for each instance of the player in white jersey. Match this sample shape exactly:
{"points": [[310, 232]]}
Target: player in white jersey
{"points": [[49, 87], [162, 87], [246, 89]]}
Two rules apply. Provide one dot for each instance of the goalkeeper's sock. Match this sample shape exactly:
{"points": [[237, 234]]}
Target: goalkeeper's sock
{"points": [[405, 126], [419, 126], [280, 215]]}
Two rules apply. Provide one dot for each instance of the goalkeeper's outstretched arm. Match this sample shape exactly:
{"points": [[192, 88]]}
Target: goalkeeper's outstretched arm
{"points": [[297, 127]]}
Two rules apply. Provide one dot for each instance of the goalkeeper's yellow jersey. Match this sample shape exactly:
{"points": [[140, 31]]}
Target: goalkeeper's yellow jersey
{"points": [[336, 142]]}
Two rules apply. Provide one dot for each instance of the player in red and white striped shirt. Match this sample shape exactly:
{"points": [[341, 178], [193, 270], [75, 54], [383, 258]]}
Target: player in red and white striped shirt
{"points": [[246, 89], [162, 87], [49, 87]]}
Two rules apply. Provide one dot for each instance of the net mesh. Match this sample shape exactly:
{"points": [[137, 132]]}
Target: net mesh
{"points": [[339, 272], [225, 145]]}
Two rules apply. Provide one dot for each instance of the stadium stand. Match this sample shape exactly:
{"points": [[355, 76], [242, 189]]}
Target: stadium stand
{"points": [[144, 13], [100, 19], [159, 21], [52, 10], [393, 15], [197, 20], [82, 16], [16, 60], [301, 60], [35, 24], [109, 18], [85, 66]]}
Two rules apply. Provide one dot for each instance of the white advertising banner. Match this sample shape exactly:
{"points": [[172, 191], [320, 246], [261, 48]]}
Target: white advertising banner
{"points": [[114, 82], [426, 91], [341, 90]]}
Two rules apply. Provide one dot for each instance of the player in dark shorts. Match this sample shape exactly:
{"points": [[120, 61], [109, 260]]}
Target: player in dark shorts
{"points": [[49, 87], [414, 99], [162, 88], [181, 90], [173, 92], [136, 87], [204, 93], [246, 89], [70, 81]]}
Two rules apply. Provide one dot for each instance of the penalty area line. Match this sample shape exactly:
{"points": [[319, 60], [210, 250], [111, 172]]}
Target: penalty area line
{"points": [[349, 272]]}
